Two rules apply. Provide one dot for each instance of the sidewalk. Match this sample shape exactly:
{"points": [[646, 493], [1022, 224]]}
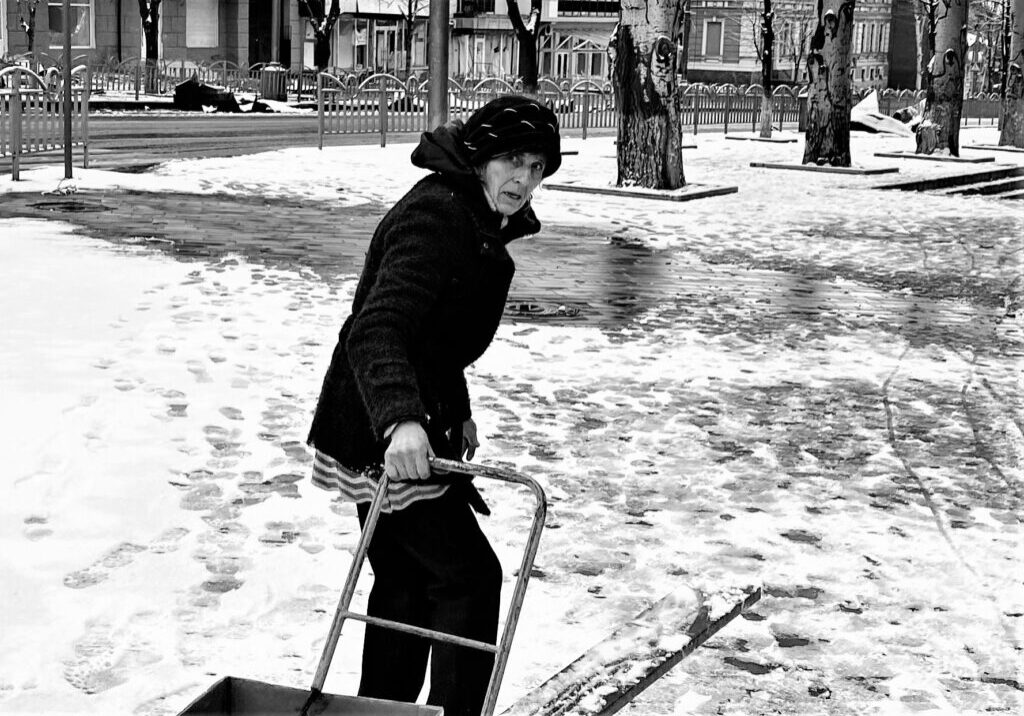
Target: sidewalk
{"points": [[810, 382]]}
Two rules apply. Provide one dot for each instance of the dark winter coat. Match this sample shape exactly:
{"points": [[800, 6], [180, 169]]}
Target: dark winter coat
{"points": [[428, 303]]}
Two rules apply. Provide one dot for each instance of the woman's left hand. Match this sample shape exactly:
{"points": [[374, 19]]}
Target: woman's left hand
{"points": [[470, 442]]}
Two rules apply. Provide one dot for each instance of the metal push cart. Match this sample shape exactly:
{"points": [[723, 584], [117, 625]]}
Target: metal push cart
{"points": [[233, 696]]}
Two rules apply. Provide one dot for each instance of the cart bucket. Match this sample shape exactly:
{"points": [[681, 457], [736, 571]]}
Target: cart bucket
{"points": [[232, 696]]}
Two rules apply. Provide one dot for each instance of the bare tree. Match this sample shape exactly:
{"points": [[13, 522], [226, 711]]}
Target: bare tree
{"points": [[986, 20], [410, 17], [1012, 133], [924, 33], [764, 46], [1005, 43], [829, 95], [684, 48], [944, 77], [644, 59], [149, 10], [322, 21], [527, 31], [797, 22], [27, 21]]}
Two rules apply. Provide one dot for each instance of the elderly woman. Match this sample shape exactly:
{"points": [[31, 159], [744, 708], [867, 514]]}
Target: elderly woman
{"points": [[427, 305]]}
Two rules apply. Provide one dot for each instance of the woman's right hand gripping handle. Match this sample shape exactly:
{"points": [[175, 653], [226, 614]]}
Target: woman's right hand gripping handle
{"points": [[407, 455]]}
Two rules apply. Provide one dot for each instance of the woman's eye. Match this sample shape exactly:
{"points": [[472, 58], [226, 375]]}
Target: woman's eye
{"points": [[537, 168]]}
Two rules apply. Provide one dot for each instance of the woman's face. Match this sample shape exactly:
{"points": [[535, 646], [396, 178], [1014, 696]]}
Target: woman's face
{"points": [[511, 178]]}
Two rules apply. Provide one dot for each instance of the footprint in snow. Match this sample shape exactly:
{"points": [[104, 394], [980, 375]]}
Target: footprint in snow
{"points": [[36, 527], [104, 657], [121, 556]]}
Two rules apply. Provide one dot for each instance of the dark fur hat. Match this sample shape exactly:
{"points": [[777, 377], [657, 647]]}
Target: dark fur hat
{"points": [[513, 124]]}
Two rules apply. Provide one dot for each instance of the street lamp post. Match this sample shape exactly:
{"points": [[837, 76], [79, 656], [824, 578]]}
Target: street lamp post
{"points": [[67, 89], [437, 59]]}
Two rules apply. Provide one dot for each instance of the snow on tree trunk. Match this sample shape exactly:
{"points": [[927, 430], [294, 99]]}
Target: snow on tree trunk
{"points": [[944, 101], [829, 98], [644, 55], [767, 69], [1012, 133]]}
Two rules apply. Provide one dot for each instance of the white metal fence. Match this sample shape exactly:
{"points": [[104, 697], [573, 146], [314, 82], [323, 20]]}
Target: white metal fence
{"points": [[32, 113], [383, 104]]}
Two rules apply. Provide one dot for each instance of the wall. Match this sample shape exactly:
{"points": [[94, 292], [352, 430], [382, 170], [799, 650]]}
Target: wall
{"points": [[233, 17]]}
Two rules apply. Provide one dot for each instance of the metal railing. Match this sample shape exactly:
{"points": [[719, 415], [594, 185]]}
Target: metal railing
{"points": [[383, 104], [32, 113]]}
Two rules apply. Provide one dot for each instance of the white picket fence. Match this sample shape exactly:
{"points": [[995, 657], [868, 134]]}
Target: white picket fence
{"points": [[32, 113]]}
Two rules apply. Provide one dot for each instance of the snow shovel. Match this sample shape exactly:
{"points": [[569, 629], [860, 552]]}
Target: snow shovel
{"points": [[233, 696]]}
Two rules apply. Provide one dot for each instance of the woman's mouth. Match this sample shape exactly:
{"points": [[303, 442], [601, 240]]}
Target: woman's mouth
{"points": [[512, 196]]}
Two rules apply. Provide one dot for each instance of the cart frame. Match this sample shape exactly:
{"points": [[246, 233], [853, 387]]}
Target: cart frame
{"points": [[502, 648]]}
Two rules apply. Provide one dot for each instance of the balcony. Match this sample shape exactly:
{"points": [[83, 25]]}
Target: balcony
{"points": [[587, 8]]}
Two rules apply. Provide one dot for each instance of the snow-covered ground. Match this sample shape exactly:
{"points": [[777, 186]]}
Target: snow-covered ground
{"points": [[157, 527]]}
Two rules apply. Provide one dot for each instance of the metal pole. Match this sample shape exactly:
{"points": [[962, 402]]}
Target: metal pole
{"points": [[437, 100], [275, 31], [67, 89]]}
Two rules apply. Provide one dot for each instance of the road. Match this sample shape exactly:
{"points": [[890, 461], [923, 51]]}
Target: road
{"points": [[138, 140]]}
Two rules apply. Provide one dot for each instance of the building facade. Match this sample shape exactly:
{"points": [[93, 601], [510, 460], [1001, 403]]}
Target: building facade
{"points": [[111, 30], [370, 36]]}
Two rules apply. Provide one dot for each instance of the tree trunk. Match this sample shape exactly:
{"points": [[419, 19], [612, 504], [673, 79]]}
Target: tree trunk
{"points": [[1005, 43], [925, 47], [767, 69], [528, 71], [644, 58], [1012, 133], [410, 30], [149, 10], [321, 51], [527, 33], [829, 98], [944, 101], [29, 26]]}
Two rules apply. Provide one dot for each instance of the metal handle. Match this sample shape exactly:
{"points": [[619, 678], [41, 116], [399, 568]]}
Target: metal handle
{"points": [[501, 650]]}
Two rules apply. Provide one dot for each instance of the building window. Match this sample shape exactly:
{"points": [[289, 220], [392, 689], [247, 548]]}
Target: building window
{"points": [[587, 8], [82, 35], [202, 23], [713, 38], [471, 7]]}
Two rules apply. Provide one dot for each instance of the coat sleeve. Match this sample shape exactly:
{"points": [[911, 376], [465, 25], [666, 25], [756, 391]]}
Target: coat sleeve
{"points": [[415, 266]]}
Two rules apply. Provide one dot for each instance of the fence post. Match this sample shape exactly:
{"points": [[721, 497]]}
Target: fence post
{"points": [[383, 113], [696, 97], [754, 111], [138, 72], [320, 109], [728, 107], [15, 125], [586, 111], [224, 73]]}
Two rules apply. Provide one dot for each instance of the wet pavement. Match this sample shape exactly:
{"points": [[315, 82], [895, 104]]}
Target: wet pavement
{"points": [[825, 399], [618, 277]]}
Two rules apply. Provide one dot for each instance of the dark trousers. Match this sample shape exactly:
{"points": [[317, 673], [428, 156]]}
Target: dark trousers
{"points": [[433, 568]]}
